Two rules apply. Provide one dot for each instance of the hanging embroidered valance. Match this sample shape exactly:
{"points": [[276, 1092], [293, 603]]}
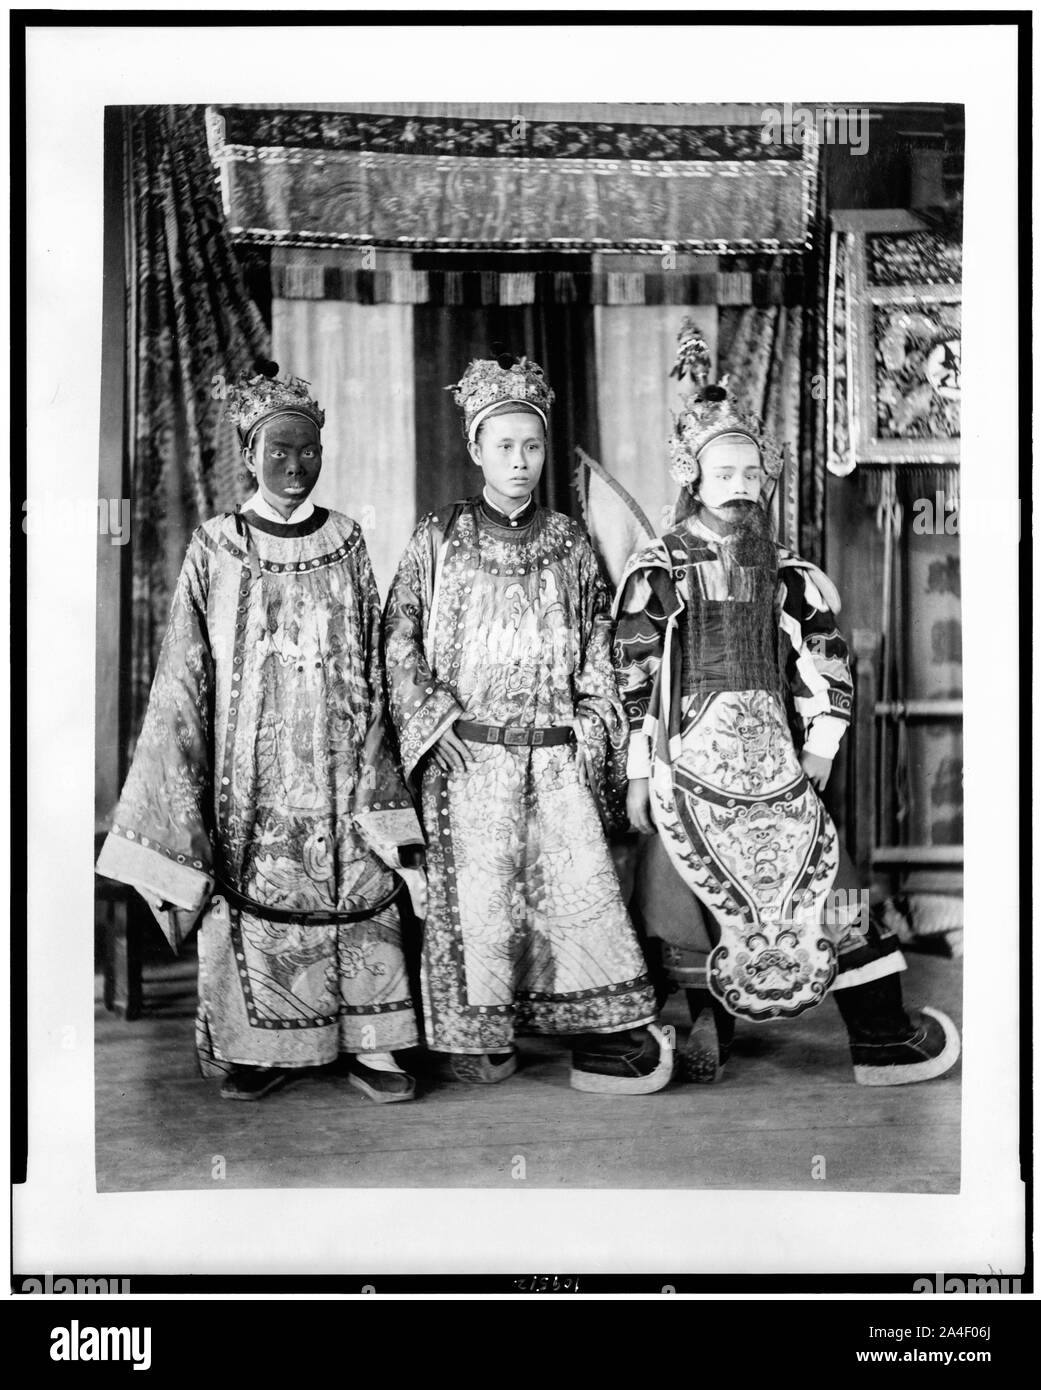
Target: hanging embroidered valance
{"points": [[332, 178]]}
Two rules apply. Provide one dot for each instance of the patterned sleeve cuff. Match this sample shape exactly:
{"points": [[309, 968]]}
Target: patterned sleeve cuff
{"points": [[387, 832], [426, 726], [154, 875], [177, 894]]}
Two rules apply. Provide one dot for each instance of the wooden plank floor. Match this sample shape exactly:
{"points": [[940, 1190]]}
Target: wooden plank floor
{"points": [[788, 1096]]}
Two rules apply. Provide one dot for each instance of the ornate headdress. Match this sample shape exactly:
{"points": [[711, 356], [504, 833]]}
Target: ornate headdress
{"points": [[491, 382], [260, 395], [710, 412]]}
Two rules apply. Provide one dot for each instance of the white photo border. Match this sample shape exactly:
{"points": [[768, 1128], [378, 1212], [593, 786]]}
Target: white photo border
{"points": [[60, 1221]]}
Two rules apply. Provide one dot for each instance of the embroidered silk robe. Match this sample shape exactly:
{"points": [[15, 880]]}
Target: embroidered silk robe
{"points": [[508, 625], [264, 764]]}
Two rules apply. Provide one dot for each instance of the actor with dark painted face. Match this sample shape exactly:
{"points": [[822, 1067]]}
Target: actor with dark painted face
{"points": [[285, 459], [737, 687], [265, 804], [504, 699]]}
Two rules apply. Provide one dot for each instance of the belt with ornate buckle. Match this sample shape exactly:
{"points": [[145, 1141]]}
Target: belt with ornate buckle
{"points": [[513, 736]]}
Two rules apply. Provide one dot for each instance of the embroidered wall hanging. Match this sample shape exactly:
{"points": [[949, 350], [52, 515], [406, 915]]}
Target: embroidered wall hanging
{"points": [[334, 178], [894, 369]]}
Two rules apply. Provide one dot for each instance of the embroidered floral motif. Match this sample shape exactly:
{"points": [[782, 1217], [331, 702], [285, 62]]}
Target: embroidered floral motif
{"points": [[453, 135]]}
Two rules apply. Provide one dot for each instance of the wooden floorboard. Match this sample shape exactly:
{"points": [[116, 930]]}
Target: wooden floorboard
{"points": [[788, 1100]]}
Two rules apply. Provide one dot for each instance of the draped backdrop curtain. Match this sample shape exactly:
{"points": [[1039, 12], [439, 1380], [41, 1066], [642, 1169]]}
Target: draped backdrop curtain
{"points": [[191, 327], [359, 361]]}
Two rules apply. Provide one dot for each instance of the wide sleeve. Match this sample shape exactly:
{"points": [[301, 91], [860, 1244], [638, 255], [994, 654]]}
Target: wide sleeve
{"points": [[815, 660], [160, 842], [421, 708], [603, 727], [383, 812], [645, 599]]}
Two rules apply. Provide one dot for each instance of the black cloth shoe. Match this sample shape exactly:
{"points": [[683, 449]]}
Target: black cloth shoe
{"points": [[383, 1087], [932, 1049], [252, 1083], [635, 1063], [707, 1049], [887, 1046], [483, 1069]]}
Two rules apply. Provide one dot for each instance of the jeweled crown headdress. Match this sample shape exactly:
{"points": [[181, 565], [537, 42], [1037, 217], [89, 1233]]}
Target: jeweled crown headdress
{"points": [[259, 395], [490, 382], [710, 412]]}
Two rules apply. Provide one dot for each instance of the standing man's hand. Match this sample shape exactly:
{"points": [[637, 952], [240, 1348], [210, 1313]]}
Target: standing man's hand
{"points": [[585, 777], [451, 753], [816, 768], [638, 806]]}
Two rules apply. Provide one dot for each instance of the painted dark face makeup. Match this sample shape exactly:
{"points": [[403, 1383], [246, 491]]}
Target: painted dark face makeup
{"points": [[286, 460], [510, 450]]}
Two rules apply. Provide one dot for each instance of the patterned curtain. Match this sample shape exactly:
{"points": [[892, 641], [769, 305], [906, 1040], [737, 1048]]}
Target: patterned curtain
{"points": [[190, 327], [760, 349]]}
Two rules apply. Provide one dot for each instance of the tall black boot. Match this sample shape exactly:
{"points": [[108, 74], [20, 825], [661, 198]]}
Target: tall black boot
{"points": [[889, 1047], [707, 1049]]}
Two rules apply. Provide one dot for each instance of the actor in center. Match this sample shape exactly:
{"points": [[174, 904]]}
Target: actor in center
{"points": [[502, 690]]}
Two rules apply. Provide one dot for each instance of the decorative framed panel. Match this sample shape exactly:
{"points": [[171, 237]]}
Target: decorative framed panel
{"points": [[895, 342]]}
